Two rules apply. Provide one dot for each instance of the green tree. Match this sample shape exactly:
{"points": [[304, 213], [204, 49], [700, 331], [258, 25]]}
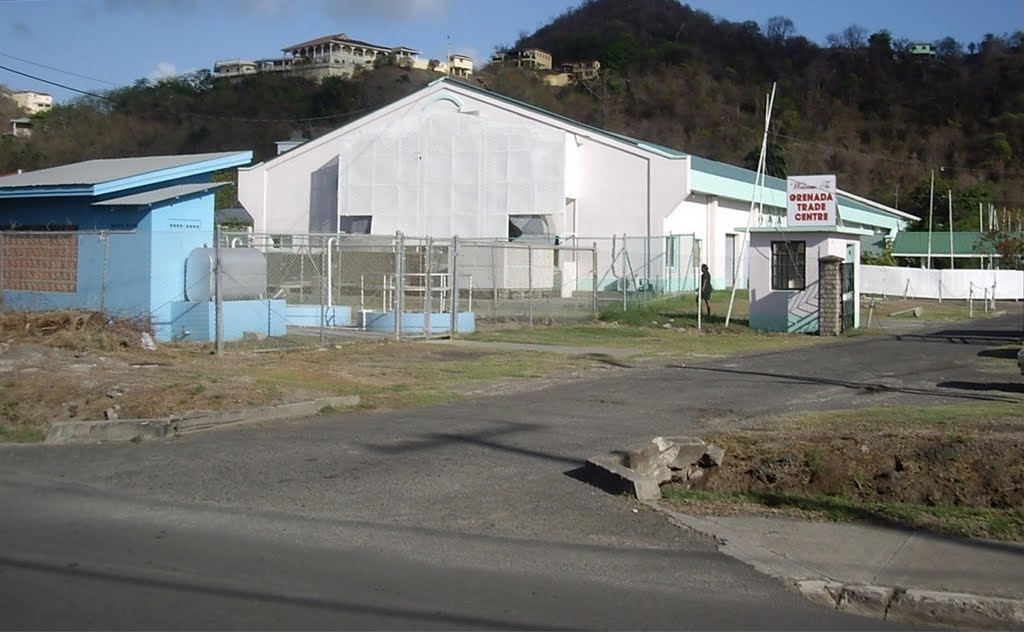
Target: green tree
{"points": [[774, 160], [885, 258], [1009, 246]]}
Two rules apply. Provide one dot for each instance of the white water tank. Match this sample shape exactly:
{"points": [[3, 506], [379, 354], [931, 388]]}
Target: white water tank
{"points": [[243, 274]]}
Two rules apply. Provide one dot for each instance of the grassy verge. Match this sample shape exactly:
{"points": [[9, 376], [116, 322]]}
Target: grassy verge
{"points": [[664, 328], [948, 468], [929, 309], [20, 433], [897, 419], [999, 524], [681, 311]]}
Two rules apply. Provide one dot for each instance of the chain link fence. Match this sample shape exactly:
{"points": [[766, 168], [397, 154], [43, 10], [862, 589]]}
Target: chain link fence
{"points": [[277, 291], [119, 273]]}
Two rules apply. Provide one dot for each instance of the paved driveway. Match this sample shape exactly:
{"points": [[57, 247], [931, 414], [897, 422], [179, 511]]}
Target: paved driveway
{"points": [[456, 516]]}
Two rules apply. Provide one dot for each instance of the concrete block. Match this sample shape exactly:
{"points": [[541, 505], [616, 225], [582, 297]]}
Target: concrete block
{"points": [[712, 457], [959, 609], [64, 432], [296, 410], [688, 451], [644, 458], [644, 488], [867, 601], [820, 591]]}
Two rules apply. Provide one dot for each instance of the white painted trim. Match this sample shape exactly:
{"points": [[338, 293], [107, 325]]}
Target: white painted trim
{"points": [[878, 205]]}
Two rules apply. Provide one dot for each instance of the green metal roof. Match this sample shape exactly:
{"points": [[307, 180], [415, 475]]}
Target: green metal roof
{"points": [[965, 244], [718, 178]]}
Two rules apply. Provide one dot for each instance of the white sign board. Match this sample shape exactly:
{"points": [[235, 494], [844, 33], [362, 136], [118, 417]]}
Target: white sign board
{"points": [[811, 201]]}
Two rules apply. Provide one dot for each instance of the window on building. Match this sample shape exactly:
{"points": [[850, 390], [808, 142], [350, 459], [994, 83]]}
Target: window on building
{"points": [[670, 251], [527, 227], [789, 265], [281, 241], [355, 224]]}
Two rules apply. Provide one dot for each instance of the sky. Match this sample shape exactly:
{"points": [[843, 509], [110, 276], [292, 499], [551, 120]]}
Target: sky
{"points": [[94, 45]]}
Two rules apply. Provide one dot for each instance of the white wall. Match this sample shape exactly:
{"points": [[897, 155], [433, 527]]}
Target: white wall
{"points": [[607, 178], [441, 172], [952, 284], [507, 268], [710, 219], [276, 192], [782, 310]]}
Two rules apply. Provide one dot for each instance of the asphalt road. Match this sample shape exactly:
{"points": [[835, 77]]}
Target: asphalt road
{"points": [[459, 516]]}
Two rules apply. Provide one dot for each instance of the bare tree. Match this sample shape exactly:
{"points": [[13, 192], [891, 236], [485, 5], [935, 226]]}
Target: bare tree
{"points": [[949, 48], [779, 28], [852, 37]]}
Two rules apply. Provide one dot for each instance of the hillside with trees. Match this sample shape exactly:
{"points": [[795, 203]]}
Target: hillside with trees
{"points": [[860, 105]]}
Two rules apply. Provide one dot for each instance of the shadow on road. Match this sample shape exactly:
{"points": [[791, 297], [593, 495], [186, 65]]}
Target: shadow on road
{"points": [[866, 387], [480, 438], [601, 479], [1005, 387], [968, 336], [136, 580], [1003, 353]]}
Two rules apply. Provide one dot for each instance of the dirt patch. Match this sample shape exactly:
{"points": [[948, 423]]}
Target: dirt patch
{"points": [[930, 468], [941, 471], [59, 366]]}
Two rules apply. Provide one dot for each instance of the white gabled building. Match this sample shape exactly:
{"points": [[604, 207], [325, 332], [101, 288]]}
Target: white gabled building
{"points": [[456, 159]]}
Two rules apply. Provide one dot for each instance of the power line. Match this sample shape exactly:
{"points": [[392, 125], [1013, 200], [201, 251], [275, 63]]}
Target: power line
{"points": [[218, 117], [66, 72], [55, 83]]}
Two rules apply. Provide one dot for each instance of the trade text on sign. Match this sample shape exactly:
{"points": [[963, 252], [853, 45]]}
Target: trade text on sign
{"points": [[811, 202]]}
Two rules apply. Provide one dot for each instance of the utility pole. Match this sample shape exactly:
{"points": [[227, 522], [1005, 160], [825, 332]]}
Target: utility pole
{"points": [[931, 212], [950, 229]]}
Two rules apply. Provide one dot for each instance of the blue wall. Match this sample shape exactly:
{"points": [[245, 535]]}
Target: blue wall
{"points": [[412, 322], [144, 268], [196, 321], [309, 315], [176, 230]]}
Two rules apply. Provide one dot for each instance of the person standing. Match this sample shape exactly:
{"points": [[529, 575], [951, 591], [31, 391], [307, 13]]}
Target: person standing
{"points": [[705, 287]]}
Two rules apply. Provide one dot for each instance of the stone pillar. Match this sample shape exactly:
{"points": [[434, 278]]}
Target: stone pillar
{"points": [[830, 296]]}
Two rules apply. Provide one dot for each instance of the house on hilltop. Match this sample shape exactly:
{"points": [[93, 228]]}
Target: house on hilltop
{"points": [[530, 58], [339, 56], [921, 49], [32, 102]]}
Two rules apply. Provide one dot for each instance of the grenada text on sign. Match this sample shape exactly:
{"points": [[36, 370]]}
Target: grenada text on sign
{"points": [[811, 201]]}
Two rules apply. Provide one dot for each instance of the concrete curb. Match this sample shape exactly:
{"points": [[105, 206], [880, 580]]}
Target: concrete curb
{"points": [[891, 603], [899, 605], [67, 432]]}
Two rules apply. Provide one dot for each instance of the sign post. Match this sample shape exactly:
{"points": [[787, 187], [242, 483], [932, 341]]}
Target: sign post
{"points": [[811, 201]]}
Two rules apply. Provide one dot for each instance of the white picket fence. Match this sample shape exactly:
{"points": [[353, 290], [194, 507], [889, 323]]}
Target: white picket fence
{"points": [[942, 284]]}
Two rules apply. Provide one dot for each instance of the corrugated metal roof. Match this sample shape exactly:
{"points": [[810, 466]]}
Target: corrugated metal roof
{"points": [[161, 195], [965, 244], [92, 172]]}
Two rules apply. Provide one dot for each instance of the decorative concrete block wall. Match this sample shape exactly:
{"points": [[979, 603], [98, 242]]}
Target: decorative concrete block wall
{"points": [[830, 295]]}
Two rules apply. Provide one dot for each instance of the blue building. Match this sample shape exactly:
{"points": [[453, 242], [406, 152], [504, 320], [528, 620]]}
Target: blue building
{"points": [[111, 235]]}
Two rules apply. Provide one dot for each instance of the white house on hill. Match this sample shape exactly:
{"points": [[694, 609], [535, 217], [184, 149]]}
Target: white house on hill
{"points": [[455, 159]]}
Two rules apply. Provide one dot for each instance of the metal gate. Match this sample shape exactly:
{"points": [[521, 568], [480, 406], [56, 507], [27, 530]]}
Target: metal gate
{"points": [[849, 305]]}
